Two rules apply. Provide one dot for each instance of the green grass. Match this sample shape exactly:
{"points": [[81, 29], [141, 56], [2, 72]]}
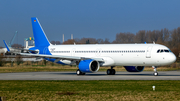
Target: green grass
{"points": [[90, 90]]}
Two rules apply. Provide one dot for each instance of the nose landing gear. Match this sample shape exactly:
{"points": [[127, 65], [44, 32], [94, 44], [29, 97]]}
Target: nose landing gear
{"points": [[155, 71]]}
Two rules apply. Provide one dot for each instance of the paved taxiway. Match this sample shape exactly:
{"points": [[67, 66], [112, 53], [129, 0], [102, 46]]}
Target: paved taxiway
{"points": [[163, 75]]}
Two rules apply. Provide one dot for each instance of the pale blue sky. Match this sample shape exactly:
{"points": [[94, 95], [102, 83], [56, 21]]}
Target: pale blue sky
{"points": [[86, 18]]}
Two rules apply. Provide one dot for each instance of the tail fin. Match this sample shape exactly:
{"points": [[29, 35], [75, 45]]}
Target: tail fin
{"points": [[6, 46], [38, 32]]}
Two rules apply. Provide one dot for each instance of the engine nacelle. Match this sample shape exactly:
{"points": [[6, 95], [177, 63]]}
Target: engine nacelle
{"points": [[134, 68], [90, 65]]}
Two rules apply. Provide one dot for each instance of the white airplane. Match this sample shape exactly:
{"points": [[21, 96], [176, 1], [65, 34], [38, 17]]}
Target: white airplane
{"points": [[89, 58]]}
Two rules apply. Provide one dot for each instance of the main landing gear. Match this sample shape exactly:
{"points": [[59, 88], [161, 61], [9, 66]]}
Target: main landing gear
{"points": [[78, 72], [111, 71], [155, 71]]}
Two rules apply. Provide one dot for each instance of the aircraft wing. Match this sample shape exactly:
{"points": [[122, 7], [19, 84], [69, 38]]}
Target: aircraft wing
{"points": [[58, 57]]}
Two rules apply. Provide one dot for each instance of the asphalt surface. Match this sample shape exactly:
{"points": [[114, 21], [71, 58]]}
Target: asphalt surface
{"points": [[163, 75]]}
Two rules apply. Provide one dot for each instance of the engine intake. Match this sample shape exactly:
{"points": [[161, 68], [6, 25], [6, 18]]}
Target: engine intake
{"points": [[134, 68], [88, 66]]}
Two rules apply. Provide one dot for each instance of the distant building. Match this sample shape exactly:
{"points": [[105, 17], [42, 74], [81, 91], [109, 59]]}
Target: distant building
{"points": [[26, 42]]}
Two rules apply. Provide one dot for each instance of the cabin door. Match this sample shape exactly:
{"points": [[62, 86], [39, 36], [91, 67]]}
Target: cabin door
{"points": [[148, 52], [73, 52]]}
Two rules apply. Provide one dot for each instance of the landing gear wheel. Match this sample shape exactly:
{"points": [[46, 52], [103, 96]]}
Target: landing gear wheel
{"points": [[111, 72], [155, 73], [78, 72], [108, 72]]}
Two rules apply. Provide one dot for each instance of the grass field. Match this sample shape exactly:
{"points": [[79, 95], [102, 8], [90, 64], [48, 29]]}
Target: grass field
{"points": [[85, 90], [90, 90]]}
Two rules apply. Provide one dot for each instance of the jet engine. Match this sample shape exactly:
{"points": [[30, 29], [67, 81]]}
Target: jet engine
{"points": [[90, 66], [134, 68]]}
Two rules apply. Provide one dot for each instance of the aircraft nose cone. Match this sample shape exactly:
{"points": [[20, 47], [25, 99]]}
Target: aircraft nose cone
{"points": [[172, 58]]}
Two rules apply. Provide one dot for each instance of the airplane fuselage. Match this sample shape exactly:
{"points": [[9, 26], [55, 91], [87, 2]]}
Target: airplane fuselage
{"points": [[117, 54]]}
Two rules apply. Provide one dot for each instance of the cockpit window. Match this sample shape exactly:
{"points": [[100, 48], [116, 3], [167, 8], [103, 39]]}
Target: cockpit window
{"points": [[158, 51], [166, 51], [163, 50]]}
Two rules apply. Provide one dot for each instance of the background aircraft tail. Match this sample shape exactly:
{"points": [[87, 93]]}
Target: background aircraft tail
{"points": [[39, 35], [6, 46]]}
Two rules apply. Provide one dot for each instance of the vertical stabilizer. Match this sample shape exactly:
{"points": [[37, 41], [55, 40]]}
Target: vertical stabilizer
{"points": [[39, 35], [6, 46]]}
